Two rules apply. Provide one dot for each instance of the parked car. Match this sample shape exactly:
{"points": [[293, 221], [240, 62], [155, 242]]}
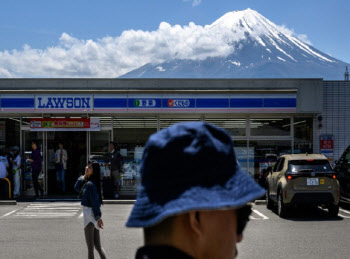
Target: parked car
{"points": [[263, 175], [342, 168], [302, 179]]}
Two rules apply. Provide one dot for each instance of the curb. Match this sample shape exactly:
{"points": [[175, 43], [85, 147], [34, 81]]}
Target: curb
{"points": [[66, 200], [8, 202], [119, 201], [54, 200], [260, 202]]}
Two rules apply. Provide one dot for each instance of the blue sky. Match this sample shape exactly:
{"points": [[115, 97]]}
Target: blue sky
{"points": [[41, 23]]}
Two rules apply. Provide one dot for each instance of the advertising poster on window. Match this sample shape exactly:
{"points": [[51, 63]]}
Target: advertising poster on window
{"points": [[130, 178], [55, 124]]}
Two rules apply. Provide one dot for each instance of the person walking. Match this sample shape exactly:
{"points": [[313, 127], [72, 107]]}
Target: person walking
{"points": [[16, 169], [61, 158], [89, 187], [193, 199], [115, 161], [36, 169]]}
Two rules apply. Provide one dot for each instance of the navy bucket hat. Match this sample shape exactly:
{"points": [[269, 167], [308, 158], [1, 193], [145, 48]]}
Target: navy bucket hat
{"points": [[190, 166]]}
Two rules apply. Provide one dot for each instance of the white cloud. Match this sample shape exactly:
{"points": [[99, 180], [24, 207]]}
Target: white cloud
{"points": [[4, 73], [290, 32], [194, 2], [303, 38], [113, 56]]}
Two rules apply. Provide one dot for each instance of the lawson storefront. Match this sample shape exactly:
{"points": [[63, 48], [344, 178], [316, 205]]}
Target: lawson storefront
{"points": [[266, 118]]}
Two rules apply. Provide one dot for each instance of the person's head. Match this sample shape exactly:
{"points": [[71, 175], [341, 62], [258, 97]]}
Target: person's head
{"points": [[92, 170], [60, 145], [2, 152], [16, 151], [202, 233], [7, 150], [193, 193], [111, 146], [34, 144]]}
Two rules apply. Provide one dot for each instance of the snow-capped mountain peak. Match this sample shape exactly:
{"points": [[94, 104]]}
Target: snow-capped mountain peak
{"points": [[250, 23], [259, 46], [233, 18]]}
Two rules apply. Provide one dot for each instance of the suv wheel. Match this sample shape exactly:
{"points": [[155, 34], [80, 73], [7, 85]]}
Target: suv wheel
{"points": [[333, 210], [282, 208], [269, 203]]}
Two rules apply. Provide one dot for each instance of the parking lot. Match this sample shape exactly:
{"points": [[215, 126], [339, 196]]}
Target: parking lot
{"points": [[55, 230]]}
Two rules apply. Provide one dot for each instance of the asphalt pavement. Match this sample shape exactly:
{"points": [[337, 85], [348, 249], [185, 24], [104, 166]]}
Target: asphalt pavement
{"points": [[55, 230]]}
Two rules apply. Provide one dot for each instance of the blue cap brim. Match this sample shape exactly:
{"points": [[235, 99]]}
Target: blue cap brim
{"points": [[238, 191]]}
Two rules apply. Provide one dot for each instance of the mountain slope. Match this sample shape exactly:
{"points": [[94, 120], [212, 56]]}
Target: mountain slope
{"points": [[259, 49]]}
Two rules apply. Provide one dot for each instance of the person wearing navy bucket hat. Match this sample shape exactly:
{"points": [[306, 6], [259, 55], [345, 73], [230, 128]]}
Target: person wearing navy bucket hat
{"points": [[193, 199]]}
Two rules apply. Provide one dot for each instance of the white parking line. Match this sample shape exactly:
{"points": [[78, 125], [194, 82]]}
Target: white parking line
{"points": [[340, 215], [47, 210], [260, 214], [343, 216], [346, 211], [10, 213]]}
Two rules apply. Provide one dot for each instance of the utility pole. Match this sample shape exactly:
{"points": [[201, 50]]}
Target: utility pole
{"points": [[346, 75]]}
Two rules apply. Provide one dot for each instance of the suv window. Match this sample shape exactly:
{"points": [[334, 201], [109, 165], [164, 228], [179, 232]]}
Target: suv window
{"points": [[321, 165], [347, 157], [277, 165], [281, 165]]}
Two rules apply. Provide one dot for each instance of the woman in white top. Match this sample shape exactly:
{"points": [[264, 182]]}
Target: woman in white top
{"points": [[89, 186]]}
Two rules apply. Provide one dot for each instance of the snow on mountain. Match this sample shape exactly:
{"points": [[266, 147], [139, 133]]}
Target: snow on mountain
{"points": [[259, 49]]}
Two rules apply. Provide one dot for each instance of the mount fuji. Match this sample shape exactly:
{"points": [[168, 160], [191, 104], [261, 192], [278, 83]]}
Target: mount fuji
{"points": [[258, 49]]}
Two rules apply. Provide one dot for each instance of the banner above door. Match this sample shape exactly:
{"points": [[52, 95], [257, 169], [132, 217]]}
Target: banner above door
{"points": [[55, 124]]}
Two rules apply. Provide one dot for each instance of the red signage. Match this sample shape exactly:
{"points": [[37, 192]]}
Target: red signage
{"points": [[171, 103], [54, 124], [326, 144]]}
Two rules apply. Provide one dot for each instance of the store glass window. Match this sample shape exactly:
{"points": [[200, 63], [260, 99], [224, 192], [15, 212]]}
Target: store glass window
{"points": [[303, 135], [9, 132], [99, 141], [270, 127], [131, 134], [235, 127], [2, 133], [167, 121], [241, 152], [264, 154]]}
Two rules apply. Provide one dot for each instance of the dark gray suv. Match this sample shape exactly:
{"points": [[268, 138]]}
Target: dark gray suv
{"points": [[342, 169]]}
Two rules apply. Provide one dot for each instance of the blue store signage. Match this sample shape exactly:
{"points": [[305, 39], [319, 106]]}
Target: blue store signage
{"points": [[64, 102], [155, 102]]}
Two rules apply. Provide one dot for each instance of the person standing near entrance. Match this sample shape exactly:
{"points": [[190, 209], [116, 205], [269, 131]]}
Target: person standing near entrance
{"points": [[115, 160], [9, 157], [16, 169], [36, 169], [89, 187], [4, 164], [61, 158]]}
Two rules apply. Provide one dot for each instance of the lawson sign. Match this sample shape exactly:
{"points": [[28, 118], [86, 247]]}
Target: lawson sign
{"points": [[64, 102]]}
